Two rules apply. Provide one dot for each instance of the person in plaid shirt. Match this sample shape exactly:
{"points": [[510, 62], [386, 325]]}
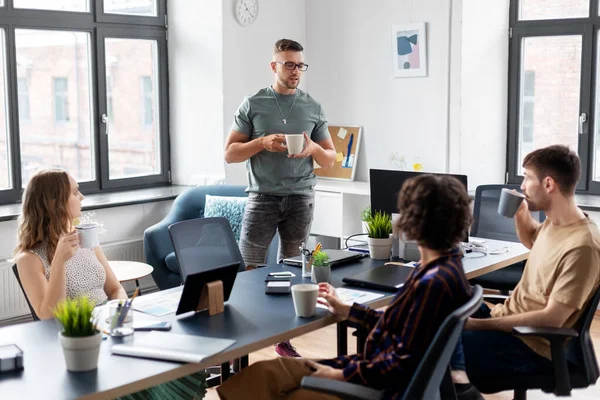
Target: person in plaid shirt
{"points": [[434, 211]]}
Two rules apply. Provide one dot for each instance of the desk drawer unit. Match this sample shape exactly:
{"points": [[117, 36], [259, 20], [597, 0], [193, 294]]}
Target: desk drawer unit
{"points": [[327, 219]]}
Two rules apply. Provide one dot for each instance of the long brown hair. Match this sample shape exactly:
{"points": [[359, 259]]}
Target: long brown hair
{"points": [[45, 216]]}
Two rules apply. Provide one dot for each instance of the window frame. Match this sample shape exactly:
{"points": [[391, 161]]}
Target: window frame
{"points": [[518, 30], [150, 33], [98, 25]]}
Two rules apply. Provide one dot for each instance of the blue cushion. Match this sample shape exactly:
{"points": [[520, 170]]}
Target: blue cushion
{"points": [[231, 208], [172, 263]]}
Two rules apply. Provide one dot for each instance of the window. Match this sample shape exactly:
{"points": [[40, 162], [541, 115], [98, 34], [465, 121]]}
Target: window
{"points": [[551, 70], [58, 5], [73, 66], [130, 7], [147, 106], [23, 95], [109, 99], [60, 88], [132, 142]]}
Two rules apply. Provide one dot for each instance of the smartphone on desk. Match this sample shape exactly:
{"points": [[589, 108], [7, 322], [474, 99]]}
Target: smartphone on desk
{"points": [[152, 326]]}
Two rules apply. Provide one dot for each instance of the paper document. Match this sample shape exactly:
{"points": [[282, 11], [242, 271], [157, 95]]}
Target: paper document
{"points": [[351, 296], [159, 305], [172, 347]]}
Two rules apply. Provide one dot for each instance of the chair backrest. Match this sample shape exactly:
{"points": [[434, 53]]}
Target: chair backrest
{"points": [[581, 350], [487, 223], [430, 372], [16, 272], [202, 244]]}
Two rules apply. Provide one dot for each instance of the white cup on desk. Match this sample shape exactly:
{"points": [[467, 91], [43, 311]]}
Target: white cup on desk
{"points": [[305, 296]]}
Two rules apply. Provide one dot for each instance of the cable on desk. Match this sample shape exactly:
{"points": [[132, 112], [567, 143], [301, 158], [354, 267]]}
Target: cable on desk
{"points": [[351, 236]]}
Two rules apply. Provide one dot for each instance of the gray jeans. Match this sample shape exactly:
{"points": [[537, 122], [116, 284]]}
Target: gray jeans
{"points": [[292, 215]]}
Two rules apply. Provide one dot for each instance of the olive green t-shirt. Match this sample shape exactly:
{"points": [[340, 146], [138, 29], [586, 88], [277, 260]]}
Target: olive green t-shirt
{"points": [[563, 265], [259, 115]]}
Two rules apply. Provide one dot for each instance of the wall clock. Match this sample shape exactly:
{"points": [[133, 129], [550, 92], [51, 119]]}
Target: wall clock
{"points": [[246, 11]]}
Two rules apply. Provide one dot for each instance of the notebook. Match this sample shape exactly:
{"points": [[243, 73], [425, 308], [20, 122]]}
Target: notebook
{"points": [[336, 257], [388, 278], [172, 347]]}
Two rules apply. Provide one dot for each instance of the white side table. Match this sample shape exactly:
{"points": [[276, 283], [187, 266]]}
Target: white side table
{"points": [[130, 271]]}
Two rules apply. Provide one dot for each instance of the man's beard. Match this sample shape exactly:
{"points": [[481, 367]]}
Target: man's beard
{"points": [[287, 84]]}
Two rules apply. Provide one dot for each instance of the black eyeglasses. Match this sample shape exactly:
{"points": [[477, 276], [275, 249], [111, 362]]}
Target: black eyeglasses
{"points": [[292, 66]]}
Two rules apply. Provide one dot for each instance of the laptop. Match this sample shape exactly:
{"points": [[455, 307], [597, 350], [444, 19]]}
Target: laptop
{"points": [[336, 257], [388, 278]]}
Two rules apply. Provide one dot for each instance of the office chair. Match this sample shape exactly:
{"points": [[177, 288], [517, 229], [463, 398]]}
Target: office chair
{"points": [[16, 272], [575, 364], [202, 244], [487, 223], [432, 375]]}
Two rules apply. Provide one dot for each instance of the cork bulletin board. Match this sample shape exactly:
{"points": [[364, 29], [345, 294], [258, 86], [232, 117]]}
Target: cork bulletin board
{"points": [[346, 140]]}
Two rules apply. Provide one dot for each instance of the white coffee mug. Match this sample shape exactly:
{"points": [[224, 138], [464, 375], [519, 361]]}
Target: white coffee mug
{"points": [[305, 296], [88, 235], [295, 143]]}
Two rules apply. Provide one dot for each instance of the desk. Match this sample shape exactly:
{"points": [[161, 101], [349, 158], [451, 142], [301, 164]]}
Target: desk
{"points": [[45, 375]]}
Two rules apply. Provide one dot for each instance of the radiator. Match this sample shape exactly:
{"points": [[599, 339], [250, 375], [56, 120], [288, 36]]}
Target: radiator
{"points": [[12, 302]]}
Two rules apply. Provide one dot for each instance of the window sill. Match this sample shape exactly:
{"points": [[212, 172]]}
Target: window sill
{"points": [[588, 202], [107, 200]]}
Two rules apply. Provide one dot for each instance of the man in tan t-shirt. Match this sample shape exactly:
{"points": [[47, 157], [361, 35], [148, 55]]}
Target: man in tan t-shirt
{"points": [[562, 274]]}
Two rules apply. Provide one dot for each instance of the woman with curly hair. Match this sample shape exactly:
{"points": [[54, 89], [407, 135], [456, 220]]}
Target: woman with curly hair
{"points": [[434, 212], [51, 265]]}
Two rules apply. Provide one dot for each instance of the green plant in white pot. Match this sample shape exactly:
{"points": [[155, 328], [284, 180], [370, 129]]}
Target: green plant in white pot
{"points": [[379, 240], [321, 270], [79, 337]]}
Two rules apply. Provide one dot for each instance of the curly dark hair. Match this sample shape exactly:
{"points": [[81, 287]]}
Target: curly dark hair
{"points": [[434, 211]]}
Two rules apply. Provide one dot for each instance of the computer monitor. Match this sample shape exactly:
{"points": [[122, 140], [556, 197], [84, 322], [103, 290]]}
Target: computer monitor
{"points": [[386, 185]]}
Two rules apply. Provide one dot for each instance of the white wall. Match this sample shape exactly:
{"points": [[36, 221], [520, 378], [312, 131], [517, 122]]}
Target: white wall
{"points": [[484, 91], [196, 88], [247, 53], [349, 50]]}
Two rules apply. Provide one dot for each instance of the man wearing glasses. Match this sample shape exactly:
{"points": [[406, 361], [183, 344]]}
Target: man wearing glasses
{"points": [[280, 186]]}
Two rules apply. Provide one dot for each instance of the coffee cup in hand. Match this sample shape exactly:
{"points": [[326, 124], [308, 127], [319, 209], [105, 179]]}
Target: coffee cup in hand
{"points": [[510, 201], [305, 296], [88, 235], [295, 143]]}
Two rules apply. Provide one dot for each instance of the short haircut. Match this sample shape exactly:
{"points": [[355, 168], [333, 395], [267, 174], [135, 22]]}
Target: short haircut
{"points": [[285, 45], [434, 211], [558, 162]]}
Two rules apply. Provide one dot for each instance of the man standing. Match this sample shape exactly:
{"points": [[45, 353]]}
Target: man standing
{"points": [[280, 186], [561, 276]]}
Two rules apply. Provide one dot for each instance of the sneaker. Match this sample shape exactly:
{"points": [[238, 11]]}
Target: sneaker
{"points": [[467, 391], [285, 349]]}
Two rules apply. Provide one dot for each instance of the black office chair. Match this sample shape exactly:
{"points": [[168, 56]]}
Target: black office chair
{"points": [[202, 244], [432, 375], [16, 272], [487, 223], [575, 364]]}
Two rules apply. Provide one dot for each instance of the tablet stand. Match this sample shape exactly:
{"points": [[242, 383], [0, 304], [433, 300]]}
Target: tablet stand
{"points": [[211, 297]]}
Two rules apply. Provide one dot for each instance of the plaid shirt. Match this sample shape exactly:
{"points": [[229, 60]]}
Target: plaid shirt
{"points": [[400, 336]]}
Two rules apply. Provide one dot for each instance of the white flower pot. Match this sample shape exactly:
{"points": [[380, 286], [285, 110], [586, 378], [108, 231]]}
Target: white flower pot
{"points": [[380, 249], [81, 353]]}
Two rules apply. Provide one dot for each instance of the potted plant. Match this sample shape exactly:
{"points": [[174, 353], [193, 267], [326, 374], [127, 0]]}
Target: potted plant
{"points": [[379, 240], [79, 337], [365, 217], [321, 270]]}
